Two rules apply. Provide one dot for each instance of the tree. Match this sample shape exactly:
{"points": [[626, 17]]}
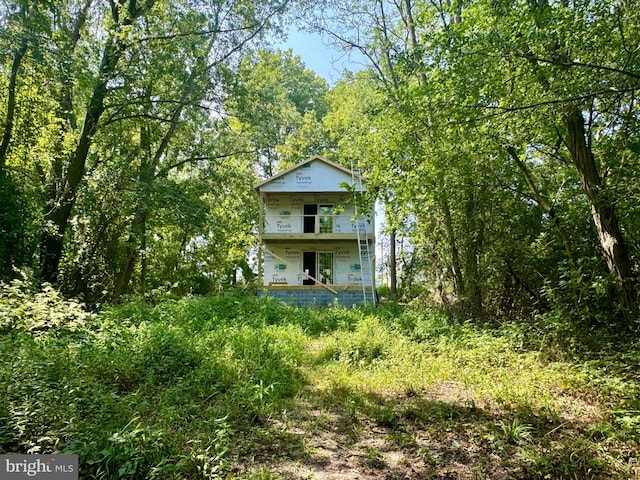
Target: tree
{"points": [[368, 136], [160, 65], [23, 23], [498, 103], [574, 69], [378, 31], [69, 167], [275, 98]]}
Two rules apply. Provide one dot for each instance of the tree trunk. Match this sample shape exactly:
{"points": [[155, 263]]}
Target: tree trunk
{"points": [[393, 255], [146, 177], [602, 212], [137, 230], [62, 200], [136, 238], [393, 279], [59, 209], [11, 105], [454, 255], [473, 245], [143, 267]]}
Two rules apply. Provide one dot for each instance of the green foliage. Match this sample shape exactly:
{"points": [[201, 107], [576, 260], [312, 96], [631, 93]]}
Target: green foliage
{"points": [[460, 124], [368, 343], [125, 169], [516, 432], [276, 106], [578, 459], [13, 228], [22, 308], [191, 388], [588, 291], [165, 354], [143, 391]]}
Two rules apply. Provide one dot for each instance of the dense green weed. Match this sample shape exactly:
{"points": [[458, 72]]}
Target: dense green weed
{"points": [[187, 388], [144, 391]]}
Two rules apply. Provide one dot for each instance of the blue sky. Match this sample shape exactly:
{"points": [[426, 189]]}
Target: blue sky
{"points": [[327, 62]]}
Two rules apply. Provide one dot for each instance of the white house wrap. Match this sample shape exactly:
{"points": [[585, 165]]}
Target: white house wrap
{"points": [[315, 248]]}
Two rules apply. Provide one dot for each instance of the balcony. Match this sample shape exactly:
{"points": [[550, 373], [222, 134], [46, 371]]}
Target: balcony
{"points": [[315, 227]]}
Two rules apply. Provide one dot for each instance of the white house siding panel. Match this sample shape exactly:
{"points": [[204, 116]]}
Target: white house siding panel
{"points": [[283, 214], [283, 264], [285, 268], [315, 176], [349, 270]]}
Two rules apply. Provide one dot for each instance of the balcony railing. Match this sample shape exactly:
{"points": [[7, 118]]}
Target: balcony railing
{"points": [[317, 224]]}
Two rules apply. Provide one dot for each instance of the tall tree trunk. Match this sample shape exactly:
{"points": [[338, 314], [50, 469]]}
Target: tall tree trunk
{"points": [[11, 223], [11, 104], [473, 246], [143, 265], [59, 209], [454, 254], [393, 260], [602, 206], [602, 211], [146, 177], [393, 276], [138, 225], [62, 200]]}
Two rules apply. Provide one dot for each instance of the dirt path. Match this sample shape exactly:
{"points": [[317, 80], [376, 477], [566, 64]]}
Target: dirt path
{"points": [[436, 434], [444, 431]]}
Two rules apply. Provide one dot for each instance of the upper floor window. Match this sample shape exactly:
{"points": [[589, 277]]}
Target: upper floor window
{"points": [[318, 218], [325, 217]]}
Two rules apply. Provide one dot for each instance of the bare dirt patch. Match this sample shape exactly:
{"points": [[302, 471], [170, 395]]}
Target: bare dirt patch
{"points": [[444, 431], [436, 434]]}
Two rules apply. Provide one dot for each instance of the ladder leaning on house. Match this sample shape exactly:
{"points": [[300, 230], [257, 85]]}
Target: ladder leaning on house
{"points": [[364, 248]]}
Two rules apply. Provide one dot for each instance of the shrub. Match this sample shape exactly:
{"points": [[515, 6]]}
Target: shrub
{"points": [[24, 309], [369, 342]]}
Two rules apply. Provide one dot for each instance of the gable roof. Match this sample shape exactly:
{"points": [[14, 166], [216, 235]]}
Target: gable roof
{"points": [[335, 165]]}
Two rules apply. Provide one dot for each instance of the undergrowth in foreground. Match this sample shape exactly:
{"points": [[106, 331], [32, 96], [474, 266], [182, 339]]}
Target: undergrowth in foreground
{"points": [[201, 387]]}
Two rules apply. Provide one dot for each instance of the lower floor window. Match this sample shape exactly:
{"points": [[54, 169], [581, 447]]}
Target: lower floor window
{"points": [[325, 267]]}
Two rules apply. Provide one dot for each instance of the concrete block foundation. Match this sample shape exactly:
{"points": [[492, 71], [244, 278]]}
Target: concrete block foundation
{"points": [[320, 298]]}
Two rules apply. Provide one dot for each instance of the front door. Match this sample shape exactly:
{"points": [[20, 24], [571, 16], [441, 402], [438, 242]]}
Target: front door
{"points": [[309, 268]]}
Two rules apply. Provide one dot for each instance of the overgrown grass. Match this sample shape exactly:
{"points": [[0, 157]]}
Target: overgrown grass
{"points": [[144, 391], [561, 414], [196, 388]]}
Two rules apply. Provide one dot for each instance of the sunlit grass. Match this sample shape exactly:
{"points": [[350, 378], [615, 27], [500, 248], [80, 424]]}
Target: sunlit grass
{"points": [[557, 413], [192, 388], [376, 357]]}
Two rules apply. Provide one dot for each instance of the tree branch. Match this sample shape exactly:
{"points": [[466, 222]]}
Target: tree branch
{"points": [[165, 171], [571, 63]]}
